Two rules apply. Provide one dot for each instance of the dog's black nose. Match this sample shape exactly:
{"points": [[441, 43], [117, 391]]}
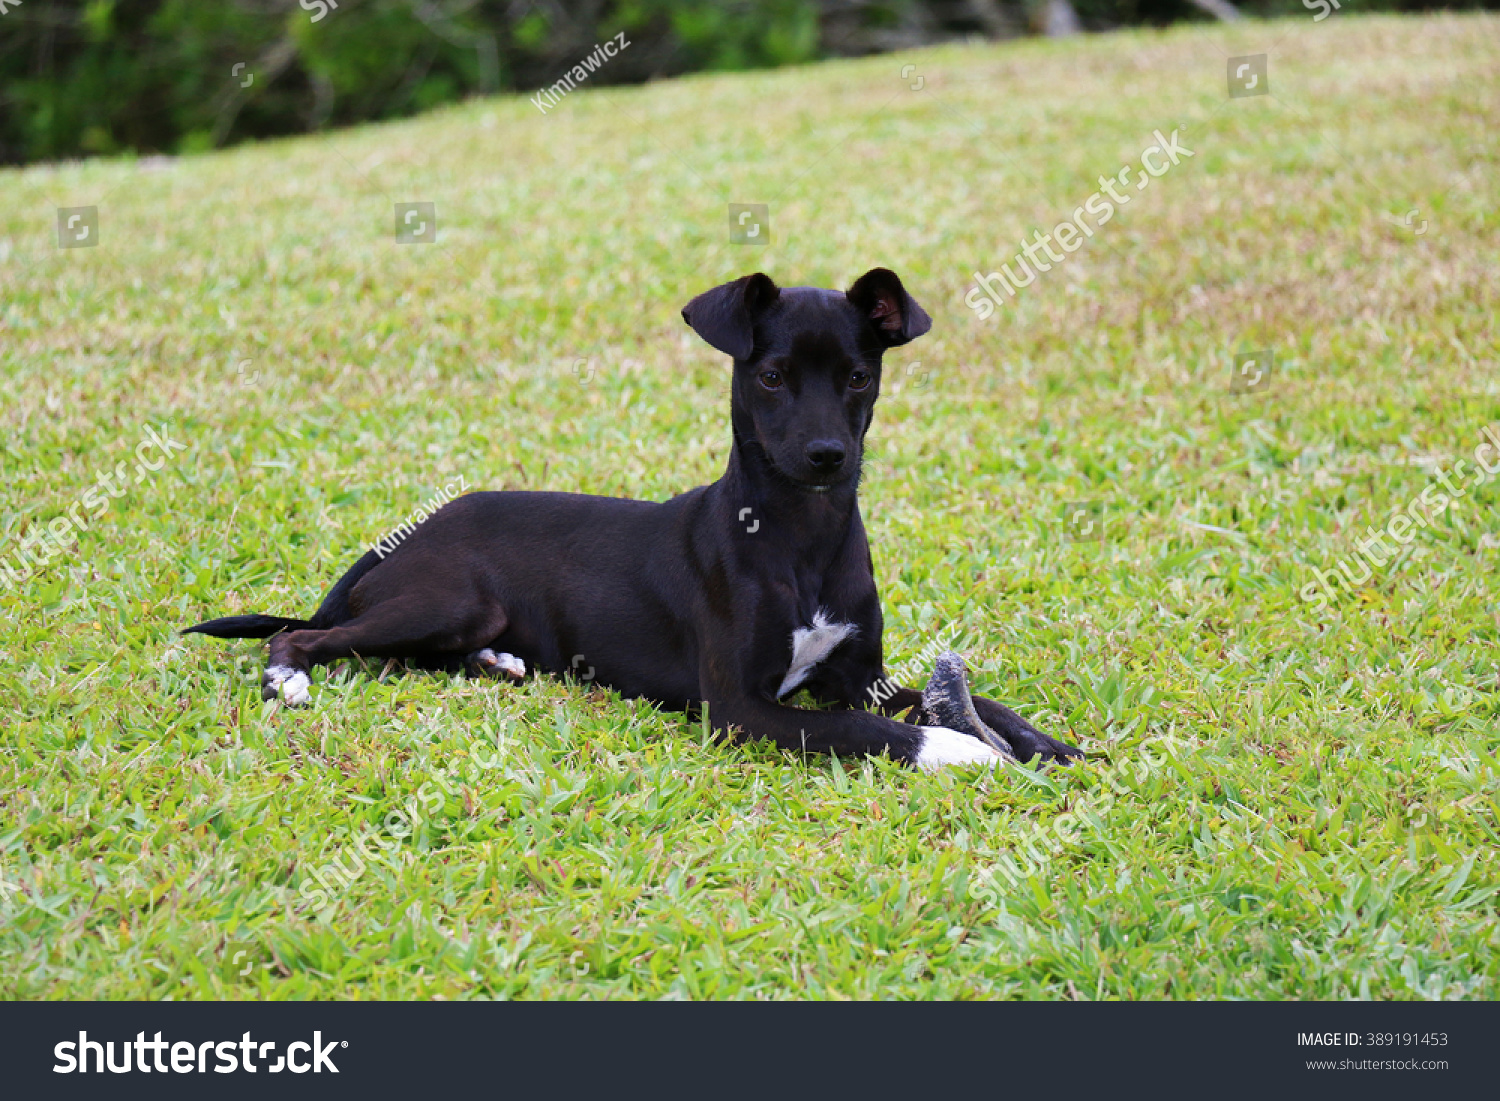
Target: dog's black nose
{"points": [[826, 454]]}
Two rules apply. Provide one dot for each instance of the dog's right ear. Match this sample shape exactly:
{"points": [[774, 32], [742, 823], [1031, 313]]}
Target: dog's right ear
{"points": [[725, 316]]}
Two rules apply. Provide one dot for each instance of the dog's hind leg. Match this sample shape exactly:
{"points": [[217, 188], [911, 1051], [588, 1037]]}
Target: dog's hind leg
{"points": [[396, 628], [488, 663]]}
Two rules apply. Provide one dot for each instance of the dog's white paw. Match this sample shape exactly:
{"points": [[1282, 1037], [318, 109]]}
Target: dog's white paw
{"points": [[942, 747], [511, 665], [492, 663], [290, 685]]}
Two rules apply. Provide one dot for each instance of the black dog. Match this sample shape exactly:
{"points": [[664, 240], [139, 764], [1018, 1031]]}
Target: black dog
{"points": [[732, 595]]}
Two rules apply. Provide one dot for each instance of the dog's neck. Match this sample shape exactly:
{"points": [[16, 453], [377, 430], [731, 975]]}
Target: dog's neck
{"points": [[817, 520]]}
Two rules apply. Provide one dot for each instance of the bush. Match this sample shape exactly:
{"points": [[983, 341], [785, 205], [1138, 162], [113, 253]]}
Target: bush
{"points": [[103, 77]]}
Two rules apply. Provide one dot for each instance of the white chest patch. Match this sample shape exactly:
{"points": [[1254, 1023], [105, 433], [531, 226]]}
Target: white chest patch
{"points": [[811, 645]]}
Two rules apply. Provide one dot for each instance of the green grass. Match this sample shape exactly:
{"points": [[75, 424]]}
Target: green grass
{"points": [[1281, 801]]}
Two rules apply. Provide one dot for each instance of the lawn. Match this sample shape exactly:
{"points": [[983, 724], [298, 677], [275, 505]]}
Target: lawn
{"points": [[1284, 797]]}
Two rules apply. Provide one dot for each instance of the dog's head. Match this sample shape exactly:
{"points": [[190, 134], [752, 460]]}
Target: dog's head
{"points": [[807, 366]]}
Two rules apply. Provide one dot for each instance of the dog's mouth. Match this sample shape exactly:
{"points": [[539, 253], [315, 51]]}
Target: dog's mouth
{"points": [[804, 484], [824, 485], [809, 481]]}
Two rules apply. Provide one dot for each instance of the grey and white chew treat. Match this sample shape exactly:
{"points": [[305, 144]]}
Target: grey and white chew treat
{"points": [[946, 702]]}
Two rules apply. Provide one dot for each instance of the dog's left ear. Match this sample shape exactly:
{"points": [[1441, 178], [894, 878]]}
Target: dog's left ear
{"points": [[725, 316], [895, 315]]}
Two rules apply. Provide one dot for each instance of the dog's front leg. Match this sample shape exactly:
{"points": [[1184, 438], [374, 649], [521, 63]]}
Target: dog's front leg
{"points": [[735, 712], [1025, 740]]}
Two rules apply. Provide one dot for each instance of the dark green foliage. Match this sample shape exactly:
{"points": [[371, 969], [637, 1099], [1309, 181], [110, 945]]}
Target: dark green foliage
{"points": [[102, 76]]}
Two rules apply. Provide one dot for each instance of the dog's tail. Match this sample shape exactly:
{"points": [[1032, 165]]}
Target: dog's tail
{"points": [[247, 626], [333, 611]]}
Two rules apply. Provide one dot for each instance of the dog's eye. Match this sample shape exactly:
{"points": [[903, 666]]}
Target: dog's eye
{"points": [[771, 380], [859, 380]]}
